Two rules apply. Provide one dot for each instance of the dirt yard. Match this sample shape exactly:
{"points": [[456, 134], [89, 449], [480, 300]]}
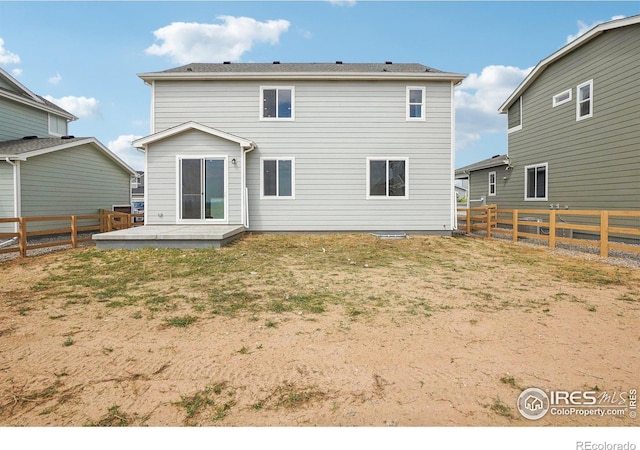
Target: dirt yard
{"points": [[314, 331]]}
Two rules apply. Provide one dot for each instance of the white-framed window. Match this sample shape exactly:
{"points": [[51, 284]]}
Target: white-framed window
{"points": [[415, 103], [387, 177], [536, 181], [277, 102], [515, 116], [57, 125], [202, 188], [561, 98], [278, 177], [492, 183], [584, 100]]}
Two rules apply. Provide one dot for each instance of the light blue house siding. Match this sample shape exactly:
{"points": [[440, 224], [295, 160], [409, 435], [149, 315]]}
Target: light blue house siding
{"points": [[338, 126], [18, 120]]}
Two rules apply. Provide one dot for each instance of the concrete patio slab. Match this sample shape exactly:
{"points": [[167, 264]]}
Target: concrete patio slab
{"points": [[169, 236]]}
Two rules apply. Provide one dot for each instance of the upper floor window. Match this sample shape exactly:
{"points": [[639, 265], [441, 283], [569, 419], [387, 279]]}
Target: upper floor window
{"points": [[515, 116], [387, 177], [562, 98], [277, 103], [536, 182], [492, 183], [57, 126], [278, 177], [415, 103], [584, 103]]}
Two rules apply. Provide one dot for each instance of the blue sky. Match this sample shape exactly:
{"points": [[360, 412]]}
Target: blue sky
{"points": [[84, 56]]}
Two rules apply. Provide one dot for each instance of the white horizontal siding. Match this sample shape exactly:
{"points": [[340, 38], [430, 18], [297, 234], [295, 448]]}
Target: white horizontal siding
{"points": [[337, 126], [162, 169]]}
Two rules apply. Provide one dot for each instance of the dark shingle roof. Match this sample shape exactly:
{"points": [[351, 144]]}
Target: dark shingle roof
{"points": [[494, 161], [21, 146], [302, 68]]}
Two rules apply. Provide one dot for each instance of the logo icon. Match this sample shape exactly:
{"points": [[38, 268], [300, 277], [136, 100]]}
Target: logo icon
{"points": [[533, 403]]}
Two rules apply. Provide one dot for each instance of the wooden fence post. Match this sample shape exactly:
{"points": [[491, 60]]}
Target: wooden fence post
{"points": [[604, 234], [74, 232], [22, 242], [468, 220], [515, 225], [489, 213], [552, 229]]}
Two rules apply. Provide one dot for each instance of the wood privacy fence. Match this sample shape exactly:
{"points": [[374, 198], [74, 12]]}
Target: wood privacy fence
{"points": [[72, 230], [609, 230]]}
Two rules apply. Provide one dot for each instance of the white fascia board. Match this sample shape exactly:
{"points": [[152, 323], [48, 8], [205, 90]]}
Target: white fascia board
{"points": [[143, 142], [20, 86], [539, 68], [313, 76]]}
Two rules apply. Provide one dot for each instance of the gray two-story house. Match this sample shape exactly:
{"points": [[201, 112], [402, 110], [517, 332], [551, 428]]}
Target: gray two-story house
{"points": [[46, 172], [573, 129], [302, 147]]}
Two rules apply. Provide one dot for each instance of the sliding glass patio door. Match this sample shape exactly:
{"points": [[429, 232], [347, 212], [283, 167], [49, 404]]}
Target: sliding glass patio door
{"points": [[203, 189]]}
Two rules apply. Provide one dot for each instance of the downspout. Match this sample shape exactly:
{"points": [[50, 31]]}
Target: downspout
{"points": [[243, 181]]}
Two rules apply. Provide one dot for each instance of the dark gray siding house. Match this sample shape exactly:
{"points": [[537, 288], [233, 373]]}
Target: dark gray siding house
{"points": [[43, 171], [574, 126], [302, 147]]}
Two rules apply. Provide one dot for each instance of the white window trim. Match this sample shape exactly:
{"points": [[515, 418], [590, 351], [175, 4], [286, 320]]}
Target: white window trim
{"points": [[423, 104], [261, 104], [557, 102], [495, 183], [517, 127], [546, 183], [586, 116], [406, 177], [293, 178], [179, 218]]}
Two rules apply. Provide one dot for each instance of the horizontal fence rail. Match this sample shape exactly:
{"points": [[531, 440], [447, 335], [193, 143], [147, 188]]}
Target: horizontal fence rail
{"points": [[68, 233], [608, 230]]}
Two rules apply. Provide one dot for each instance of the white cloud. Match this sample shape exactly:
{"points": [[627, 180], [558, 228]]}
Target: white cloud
{"points": [[583, 28], [124, 150], [78, 106], [55, 79], [205, 42], [7, 57], [477, 101], [16, 72]]}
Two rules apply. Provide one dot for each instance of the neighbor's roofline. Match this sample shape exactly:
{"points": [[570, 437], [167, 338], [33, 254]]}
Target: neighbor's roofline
{"points": [[34, 100], [75, 143], [573, 45]]}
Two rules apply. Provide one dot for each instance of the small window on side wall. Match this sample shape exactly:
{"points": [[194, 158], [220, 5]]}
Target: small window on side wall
{"points": [[514, 119], [584, 101], [492, 183], [562, 98]]}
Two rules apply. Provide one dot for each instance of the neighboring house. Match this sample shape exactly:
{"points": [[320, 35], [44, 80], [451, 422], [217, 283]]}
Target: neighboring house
{"points": [[485, 179], [137, 195], [573, 128], [302, 147], [43, 171]]}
